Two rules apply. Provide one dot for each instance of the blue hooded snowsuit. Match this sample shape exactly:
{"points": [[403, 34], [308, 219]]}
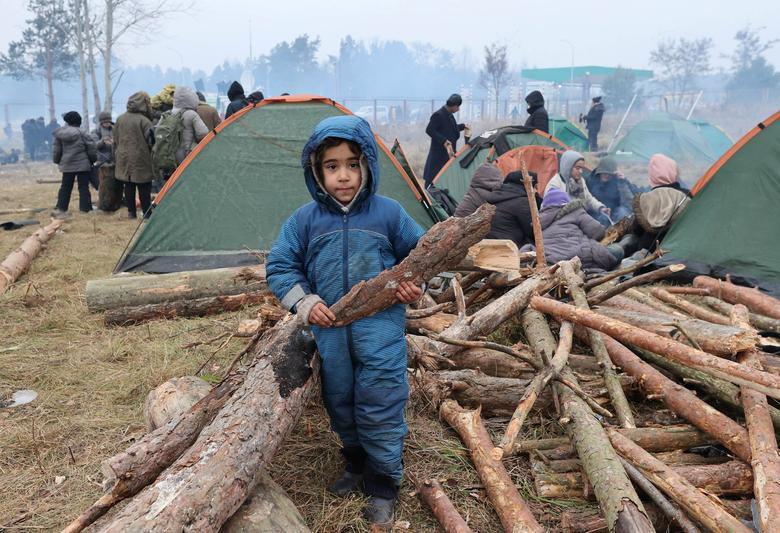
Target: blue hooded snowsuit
{"points": [[325, 248]]}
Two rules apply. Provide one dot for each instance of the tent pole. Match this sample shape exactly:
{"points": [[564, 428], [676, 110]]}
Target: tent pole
{"points": [[695, 102], [625, 115]]}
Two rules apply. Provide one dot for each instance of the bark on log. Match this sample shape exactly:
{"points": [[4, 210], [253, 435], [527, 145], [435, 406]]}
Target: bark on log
{"points": [[617, 230], [650, 277], [19, 260], [649, 301], [691, 291], [446, 514], [436, 323], [616, 394], [591, 521], [609, 276], [449, 295], [268, 509], [493, 255], [124, 316], [713, 338], [680, 400], [210, 481], [758, 321], [145, 289], [617, 498], [767, 383], [754, 300], [513, 511], [696, 504], [692, 309], [536, 224], [440, 249]]}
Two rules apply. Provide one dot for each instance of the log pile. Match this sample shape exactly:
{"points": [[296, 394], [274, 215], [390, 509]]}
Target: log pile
{"points": [[661, 399]]}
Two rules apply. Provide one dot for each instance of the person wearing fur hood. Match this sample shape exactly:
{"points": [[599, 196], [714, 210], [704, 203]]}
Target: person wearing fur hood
{"points": [[570, 179], [185, 101]]}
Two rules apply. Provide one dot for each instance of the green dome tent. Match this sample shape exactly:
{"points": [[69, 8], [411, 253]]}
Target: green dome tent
{"points": [[457, 173], [685, 141], [568, 133], [731, 225], [227, 201]]}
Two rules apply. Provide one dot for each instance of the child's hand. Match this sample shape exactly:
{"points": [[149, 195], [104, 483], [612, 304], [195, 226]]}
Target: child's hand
{"points": [[321, 316], [407, 292]]}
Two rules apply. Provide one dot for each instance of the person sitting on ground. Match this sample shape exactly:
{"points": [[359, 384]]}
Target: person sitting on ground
{"points": [[237, 99], [611, 188], [208, 114], [513, 213], [537, 114], [133, 152], [74, 151], [487, 178], [185, 102], [655, 211], [570, 180], [569, 231], [310, 267]]}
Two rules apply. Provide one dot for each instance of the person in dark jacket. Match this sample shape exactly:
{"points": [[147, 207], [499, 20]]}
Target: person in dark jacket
{"points": [[593, 122], [237, 99], [537, 114], [487, 178], [74, 151], [513, 213], [444, 131], [612, 188], [569, 231], [255, 97], [109, 189]]}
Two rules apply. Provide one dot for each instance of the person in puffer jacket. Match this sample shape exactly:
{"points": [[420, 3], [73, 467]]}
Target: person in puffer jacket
{"points": [[487, 178], [346, 235], [74, 151]]}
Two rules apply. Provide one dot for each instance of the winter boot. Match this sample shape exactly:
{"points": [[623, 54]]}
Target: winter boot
{"points": [[351, 480], [382, 492]]}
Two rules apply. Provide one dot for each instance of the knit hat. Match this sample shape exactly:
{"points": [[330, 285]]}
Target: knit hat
{"points": [[72, 118], [662, 171], [105, 116], [608, 165], [555, 197]]}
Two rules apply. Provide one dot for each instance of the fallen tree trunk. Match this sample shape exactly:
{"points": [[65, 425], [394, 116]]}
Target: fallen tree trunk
{"points": [[440, 249], [760, 322], [713, 338], [614, 492], [513, 511], [753, 299], [19, 260], [692, 309], [446, 514], [740, 374], [696, 504], [145, 289], [210, 481], [650, 277], [125, 316]]}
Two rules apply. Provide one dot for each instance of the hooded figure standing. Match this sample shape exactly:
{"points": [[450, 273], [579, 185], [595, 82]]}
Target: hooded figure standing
{"points": [[74, 151], [208, 114], [237, 99], [537, 114], [593, 123], [133, 152], [444, 132], [570, 180], [185, 103]]}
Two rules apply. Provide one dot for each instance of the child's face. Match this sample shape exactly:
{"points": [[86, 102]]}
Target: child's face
{"points": [[341, 173]]}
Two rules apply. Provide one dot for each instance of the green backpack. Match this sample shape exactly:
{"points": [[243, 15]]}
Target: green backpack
{"points": [[167, 141]]}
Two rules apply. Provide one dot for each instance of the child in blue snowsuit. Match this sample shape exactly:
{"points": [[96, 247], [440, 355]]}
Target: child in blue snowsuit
{"points": [[346, 235]]}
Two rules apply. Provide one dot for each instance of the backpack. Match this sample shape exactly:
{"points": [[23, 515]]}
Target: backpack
{"points": [[167, 141], [443, 199]]}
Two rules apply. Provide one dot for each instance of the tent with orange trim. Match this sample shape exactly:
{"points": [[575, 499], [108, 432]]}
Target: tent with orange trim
{"points": [[457, 173], [226, 202], [731, 225]]}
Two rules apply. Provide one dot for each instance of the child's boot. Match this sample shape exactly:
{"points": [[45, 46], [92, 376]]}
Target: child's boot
{"points": [[382, 493], [351, 480]]}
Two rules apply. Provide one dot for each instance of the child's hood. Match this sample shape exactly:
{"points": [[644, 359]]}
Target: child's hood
{"points": [[350, 128]]}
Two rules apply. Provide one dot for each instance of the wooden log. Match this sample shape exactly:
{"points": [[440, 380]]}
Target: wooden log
{"points": [[125, 316], [690, 308], [440, 249], [492, 255], [144, 289], [691, 291], [268, 509], [713, 338], [740, 374], [616, 394], [412, 314], [18, 261], [614, 492], [173, 398], [617, 230], [591, 521], [760, 322], [649, 301], [609, 276], [536, 224], [449, 295], [19, 210], [210, 481], [509, 505], [695, 504], [436, 323], [446, 514], [753, 299], [650, 277]]}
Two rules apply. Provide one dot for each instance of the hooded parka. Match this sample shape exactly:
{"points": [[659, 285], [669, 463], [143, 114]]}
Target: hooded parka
{"points": [[132, 141]]}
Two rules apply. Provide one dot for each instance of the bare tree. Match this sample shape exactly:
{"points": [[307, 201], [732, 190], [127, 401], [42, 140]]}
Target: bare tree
{"points": [[80, 41], [92, 32], [495, 73], [680, 61]]}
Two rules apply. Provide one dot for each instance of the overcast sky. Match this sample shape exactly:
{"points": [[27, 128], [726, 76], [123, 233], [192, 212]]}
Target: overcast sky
{"points": [[601, 32]]}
